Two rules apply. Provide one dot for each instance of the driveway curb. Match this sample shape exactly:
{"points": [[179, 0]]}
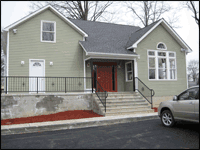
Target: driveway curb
{"points": [[74, 124]]}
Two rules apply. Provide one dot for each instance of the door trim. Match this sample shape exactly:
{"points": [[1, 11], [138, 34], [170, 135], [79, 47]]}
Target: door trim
{"points": [[30, 69]]}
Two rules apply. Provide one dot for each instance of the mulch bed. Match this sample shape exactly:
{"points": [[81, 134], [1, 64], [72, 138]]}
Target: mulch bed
{"points": [[67, 115]]}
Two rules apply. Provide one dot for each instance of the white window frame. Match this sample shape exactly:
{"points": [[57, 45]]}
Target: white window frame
{"points": [[161, 48], [156, 63], [128, 71], [43, 21]]}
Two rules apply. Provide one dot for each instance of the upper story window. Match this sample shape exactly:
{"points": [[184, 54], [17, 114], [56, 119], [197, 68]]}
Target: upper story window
{"points": [[48, 31], [161, 46]]}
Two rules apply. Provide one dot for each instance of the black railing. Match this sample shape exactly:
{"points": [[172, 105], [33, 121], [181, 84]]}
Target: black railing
{"points": [[101, 94], [146, 92], [51, 84], [44, 84]]}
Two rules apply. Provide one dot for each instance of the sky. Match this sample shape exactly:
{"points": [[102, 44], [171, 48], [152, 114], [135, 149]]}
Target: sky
{"points": [[12, 11]]}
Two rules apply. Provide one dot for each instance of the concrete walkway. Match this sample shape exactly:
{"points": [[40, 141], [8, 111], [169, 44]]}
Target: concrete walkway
{"points": [[75, 123]]}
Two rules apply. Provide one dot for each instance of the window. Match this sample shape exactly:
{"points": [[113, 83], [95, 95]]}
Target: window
{"points": [[48, 31], [161, 46], [190, 94], [161, 65], [129, 71]]}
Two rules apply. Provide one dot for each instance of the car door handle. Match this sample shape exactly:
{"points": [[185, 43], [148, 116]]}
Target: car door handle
{"points": [[190, 102]]}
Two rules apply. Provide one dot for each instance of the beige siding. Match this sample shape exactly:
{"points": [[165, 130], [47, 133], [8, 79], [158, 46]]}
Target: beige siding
{"points": [[162, 88], [66, 54]]}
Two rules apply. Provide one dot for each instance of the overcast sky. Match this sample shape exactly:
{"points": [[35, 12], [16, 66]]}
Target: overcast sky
{"points": [[12, 11]]}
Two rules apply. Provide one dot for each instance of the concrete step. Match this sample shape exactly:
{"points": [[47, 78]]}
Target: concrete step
{"points": [[129, 112], [125, 104], [127, 108], [123, 101], [121, 94]]}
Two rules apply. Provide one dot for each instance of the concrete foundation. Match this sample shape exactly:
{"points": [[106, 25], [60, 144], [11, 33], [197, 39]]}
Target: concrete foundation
{"points": [[26, 105]]}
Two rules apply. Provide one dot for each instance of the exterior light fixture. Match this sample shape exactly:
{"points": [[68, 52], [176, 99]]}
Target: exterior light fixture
{"points": [[14, 31], [22, 62], [51, 63]]}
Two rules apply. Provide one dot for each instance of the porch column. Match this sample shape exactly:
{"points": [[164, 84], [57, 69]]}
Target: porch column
{"points": [[133, 76], [91, 64]]}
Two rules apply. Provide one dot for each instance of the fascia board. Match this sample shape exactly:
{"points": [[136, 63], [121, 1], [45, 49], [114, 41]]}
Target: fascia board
{"points": [[176, 36], [83, 48], [55, 11], [111, 55], [25, 18], [169, 29], [147, 33], [71, 23]]}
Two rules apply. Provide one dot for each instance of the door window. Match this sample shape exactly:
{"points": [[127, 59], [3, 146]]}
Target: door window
{"points": [[190, 94]]}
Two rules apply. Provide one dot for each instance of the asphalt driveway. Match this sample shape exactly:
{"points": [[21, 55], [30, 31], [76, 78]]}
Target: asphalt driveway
{"points": [[149, 134]]}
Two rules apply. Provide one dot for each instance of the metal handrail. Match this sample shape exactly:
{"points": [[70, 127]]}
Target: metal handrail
{"points": [[106, 94], [151, 90]]}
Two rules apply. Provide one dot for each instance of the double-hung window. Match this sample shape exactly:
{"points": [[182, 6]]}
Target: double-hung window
{"points": [[161, 65], [48, 31], [129, 71]]}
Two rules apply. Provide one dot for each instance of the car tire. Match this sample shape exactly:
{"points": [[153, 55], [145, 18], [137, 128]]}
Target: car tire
{"points": [[167, 118]]}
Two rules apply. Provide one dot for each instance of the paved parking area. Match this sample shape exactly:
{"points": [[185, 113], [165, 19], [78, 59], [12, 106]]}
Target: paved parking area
{"points": [[148, 134]]}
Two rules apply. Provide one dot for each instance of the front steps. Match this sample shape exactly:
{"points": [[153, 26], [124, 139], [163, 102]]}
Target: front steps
{"points": [[125, 103]]}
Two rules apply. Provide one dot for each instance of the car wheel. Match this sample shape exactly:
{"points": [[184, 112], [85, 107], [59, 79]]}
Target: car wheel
{"points": [[167, 118]]}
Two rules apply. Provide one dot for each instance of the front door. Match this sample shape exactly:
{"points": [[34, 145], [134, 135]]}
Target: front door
{"points": [[36, 69], [106, 74]]}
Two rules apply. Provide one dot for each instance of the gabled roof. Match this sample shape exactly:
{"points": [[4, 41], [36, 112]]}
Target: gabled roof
{"points": [[41, 10], [139, 35], [108, 38], [105, 37]]}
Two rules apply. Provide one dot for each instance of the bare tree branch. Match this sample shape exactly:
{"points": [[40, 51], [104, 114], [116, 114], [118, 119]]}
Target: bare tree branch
{"points": [[193, 69], [149, 11], [85, 10]]}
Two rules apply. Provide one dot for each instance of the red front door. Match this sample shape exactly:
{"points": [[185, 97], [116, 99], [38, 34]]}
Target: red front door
{"points": [[107, 76]]}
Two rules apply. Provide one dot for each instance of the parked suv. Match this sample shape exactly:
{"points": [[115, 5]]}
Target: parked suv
{"points": [[185, 106]]}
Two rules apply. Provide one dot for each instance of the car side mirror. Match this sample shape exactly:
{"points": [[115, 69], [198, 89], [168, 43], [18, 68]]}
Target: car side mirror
{"points": [[175, 98]]}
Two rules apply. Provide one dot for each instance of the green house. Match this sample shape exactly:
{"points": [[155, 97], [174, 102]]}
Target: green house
{"points": [[120, 58]]}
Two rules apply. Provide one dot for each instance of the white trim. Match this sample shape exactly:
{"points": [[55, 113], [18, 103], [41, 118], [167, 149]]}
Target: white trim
{"points": [[42, 21], [7, 49], [84, 72], [30, 68], [169, 29], [161, 48], [156, 65], [136, 73], [135, 44], [83, 49], [186, 70], [113, 54], [179, 38], [42, 9], [121, 58], [129, 71]]}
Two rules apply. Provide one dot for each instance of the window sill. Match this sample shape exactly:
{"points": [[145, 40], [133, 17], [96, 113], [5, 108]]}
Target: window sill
{"points": [[162, 80], [129, 80], [48, 41]]}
